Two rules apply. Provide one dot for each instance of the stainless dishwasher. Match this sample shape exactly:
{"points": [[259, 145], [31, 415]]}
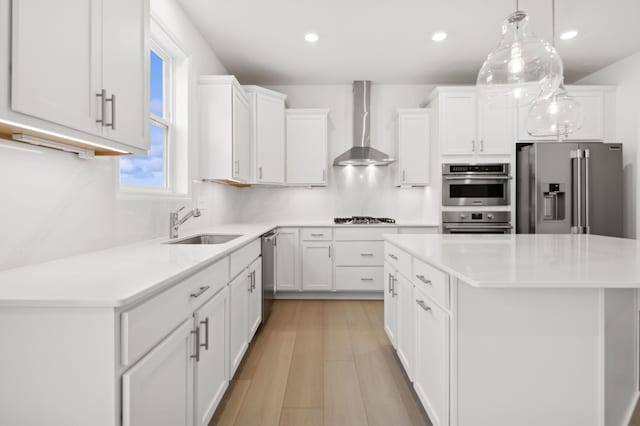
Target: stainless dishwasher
{"points": [[269, 243]]}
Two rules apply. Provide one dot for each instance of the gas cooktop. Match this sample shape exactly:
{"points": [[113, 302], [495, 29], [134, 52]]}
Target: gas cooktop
{"points": [[362, 220]]}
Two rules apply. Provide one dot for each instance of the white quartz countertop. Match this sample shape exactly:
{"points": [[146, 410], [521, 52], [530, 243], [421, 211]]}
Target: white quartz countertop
{"points": [[117, 276], [529, 261], [123, 275]]}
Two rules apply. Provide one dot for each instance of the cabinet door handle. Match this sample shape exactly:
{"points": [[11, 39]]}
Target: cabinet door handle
{"points": [[366, 254], [473, 145], [236, 166], [260, 172], [423, 279], [253, 280], [112, 99], [317, 235], [329, 251], [206, 333], [200, 291], [481, 145], [103, 101], [197, 340], [250, 276], [393, 256], [389, 283], [423, 305], [404, 175], [366, 279]]}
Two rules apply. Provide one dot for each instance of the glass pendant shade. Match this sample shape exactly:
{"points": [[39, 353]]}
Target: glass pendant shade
{"points": [[557, 115], [523, 65]]}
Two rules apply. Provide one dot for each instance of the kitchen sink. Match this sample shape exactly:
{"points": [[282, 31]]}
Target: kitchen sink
{"points": [[206, 239]]}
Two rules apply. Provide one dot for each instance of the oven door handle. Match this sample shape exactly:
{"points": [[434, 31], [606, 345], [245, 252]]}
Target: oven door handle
{"points": [[477, 226], [477, 177]]}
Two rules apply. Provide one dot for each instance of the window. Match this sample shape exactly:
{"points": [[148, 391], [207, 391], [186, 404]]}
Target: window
{"points": [[152, 170], [165, 170]]}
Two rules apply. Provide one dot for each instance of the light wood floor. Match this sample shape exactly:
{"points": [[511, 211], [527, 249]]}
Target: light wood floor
{"points": [[321, 363]]}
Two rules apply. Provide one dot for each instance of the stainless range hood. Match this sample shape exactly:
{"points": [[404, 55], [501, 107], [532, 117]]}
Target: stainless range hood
{"points": [[361, 154]]}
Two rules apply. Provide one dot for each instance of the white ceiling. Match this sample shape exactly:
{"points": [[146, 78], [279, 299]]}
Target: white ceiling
{"points": [[389, 41]]}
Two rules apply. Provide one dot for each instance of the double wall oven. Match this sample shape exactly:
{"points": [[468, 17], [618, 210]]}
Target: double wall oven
{"points": [[475, 184]]}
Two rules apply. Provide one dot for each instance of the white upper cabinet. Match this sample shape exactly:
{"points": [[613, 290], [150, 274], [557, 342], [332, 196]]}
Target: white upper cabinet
{"points": [[225, 130], [598, 105], [457, 122], [268, 134], [496, 125], [473, 125], [414, 129], [307, 140], [57, 69], [125, 65], [86, 79]]}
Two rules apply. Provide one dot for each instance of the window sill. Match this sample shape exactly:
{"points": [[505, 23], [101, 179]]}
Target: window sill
{"points": [[139, 192]]}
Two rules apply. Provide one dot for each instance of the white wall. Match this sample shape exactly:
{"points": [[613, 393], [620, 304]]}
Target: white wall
{"points": [[625, 74], [56, 205], [351, 190]]}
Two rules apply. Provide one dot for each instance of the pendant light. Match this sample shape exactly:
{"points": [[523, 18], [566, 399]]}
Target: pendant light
{"points": [[558, 114], [522, 65]]}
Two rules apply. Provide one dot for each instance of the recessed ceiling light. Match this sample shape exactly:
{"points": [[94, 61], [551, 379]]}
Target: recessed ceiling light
{"points": [[568, 35], [311, 37], [439, 36]]}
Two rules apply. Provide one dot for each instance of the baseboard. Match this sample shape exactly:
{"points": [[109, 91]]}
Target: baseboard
{"points": [[330, 295], [632, 408]]}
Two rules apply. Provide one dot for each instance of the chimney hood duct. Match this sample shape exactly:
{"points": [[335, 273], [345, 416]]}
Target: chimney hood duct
{"points": [[361, 154]]}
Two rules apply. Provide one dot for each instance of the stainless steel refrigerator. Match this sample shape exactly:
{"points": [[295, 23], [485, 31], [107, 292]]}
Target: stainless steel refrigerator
{"points": [[566, 188]]}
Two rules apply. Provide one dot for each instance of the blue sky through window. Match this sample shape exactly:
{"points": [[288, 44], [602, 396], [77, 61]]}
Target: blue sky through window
{"points": [[148, 170]]}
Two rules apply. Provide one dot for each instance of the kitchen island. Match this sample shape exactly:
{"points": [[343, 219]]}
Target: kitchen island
{"points": [[516, 329]]}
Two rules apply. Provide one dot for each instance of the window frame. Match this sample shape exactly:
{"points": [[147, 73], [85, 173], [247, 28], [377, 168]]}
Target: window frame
{"points": [[164, 45]]}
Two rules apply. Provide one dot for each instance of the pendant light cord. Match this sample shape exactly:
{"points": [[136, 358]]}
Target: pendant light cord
{"points": [[553, 23]]}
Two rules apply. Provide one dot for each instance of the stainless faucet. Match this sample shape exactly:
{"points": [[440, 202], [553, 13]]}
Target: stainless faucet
{"points": [[175, 222]]}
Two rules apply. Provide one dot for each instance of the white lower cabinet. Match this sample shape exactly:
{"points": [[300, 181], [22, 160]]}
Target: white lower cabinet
{"points": [[317, 266], [287, 259], [158, 389], [406, 337], [431, 377], [255, 296], [212, 366], [238, 319], [390, 304]]}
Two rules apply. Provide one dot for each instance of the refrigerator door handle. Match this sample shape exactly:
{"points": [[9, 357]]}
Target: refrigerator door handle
{"points": [[587, 224], [576, 199]]}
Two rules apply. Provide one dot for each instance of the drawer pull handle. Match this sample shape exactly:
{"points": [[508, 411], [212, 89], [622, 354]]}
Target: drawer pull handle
{"points": [[200, 291], [317, 235], [197, 340], [206, 333], [423, 305], [423, 279], [393, 256], [366, 254], [366, 279]]}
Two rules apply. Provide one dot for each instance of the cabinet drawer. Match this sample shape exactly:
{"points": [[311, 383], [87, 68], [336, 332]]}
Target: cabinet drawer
{"points": [[243, 257], [317, 234], [145, 325], [433, 282], [359, 253], [398, 259], [360, 278], [364, 234]]}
